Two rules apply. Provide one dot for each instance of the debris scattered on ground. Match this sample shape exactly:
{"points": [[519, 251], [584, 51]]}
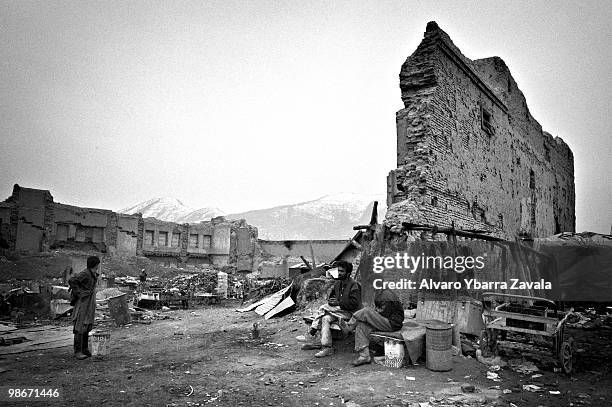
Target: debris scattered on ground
{"points": [[532, 388], [522, 366], [468, 388], [108, 293], [491, 361], [493, 376]]}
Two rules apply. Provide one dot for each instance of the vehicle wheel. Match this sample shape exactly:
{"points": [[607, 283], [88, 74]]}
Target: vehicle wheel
{"points": [[567, 356]]}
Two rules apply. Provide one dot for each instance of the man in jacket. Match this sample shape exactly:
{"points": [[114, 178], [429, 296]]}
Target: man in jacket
{"points": [[388, 316], [344, 299], [83, 287]]}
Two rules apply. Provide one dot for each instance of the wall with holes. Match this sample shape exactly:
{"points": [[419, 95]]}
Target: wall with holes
{"points": [[469, 153]]}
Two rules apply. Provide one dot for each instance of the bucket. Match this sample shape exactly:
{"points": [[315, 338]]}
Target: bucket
{"points": [[100, 342], [394, 353], [438, 346]]}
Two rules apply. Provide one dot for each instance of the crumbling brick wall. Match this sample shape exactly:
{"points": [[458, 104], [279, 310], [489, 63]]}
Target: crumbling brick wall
{"points": [[245, 252], [31, 221], [469, 153]]}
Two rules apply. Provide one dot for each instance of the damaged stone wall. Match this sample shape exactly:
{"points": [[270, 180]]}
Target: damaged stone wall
{"points": [[200, 243], [82, 228], [30, 221], [127, 234], [5, 217], [469, 153], [324, 250], [245, 251]]}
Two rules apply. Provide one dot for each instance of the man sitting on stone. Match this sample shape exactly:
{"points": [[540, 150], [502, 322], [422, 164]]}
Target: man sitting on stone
{"points": [[344, 299], [388, 316]]}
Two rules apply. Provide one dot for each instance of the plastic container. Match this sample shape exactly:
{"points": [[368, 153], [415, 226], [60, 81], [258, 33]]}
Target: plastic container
{"points": [[439, 346], [394, 353], [100, 343]]}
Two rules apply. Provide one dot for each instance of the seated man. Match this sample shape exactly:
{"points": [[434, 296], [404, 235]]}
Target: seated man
{"points": [[344, 299], [388, 317]]}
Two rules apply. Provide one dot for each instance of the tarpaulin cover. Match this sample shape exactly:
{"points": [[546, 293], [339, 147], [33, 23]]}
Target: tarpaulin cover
{"points": [[583, 263]]}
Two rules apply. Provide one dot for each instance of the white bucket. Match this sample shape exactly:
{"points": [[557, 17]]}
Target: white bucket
{"points": [[100, 342], [394, 353]]}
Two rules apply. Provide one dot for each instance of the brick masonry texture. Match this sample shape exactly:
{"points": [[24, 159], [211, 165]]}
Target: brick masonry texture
{"points": [[469, 153], [30, 221]]}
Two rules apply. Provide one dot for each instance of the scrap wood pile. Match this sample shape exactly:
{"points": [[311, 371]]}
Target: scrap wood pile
{"points": [[104, 313], [203, 282], [146, 316], [299, 291], [258, 289], [589, 319], [273, 305]]}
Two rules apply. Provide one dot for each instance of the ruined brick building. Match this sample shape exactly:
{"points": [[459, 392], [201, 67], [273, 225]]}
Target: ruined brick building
{"points": [[470, 153], [31, 222]]}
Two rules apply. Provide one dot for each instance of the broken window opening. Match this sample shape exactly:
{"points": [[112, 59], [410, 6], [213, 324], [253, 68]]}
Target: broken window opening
{"points": [[162, 239], [486, 121], [148, 238], [206, 240], [176, 238]]}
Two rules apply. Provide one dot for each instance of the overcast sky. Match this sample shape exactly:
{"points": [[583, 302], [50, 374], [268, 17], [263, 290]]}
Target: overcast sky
{"points": [[250, 104]]}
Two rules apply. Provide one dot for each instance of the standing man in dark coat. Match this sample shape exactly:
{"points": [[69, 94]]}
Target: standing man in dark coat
{"points": [[83, 287], [388, 316], [344, 299]]}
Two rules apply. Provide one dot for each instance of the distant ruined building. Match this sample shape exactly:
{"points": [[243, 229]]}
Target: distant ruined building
{"points": [[31, 222], [470, 154]]}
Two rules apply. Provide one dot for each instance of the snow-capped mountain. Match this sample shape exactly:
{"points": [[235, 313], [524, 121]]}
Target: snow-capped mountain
{"points": [[172, 210], [329, 217]]}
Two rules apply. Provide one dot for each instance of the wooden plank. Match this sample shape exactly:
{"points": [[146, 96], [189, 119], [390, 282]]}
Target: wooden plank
{"points": [[283, 305], [390, 336], [272, 301], [38, 335], [252, 306], [521, 317], [39, 347], [7, 328], [435, 309], [25, 346], [500, 326]]}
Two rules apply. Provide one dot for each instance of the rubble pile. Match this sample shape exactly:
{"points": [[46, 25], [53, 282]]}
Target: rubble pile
{"points": [[201, 282], [258, 289], [589, 319], [108, 293]]}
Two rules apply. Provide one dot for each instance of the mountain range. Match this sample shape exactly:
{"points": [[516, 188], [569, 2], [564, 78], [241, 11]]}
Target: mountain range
{"points": [[328, 217]]}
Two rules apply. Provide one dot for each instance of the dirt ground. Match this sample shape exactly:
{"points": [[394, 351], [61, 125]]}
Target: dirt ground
{"points": [[205, 356]]}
